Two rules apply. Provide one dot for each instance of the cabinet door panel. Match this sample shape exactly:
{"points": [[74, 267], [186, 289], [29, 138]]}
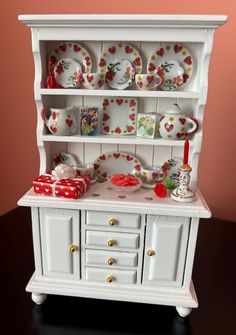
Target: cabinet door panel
{"points": [[60, 230], [167, 237]]}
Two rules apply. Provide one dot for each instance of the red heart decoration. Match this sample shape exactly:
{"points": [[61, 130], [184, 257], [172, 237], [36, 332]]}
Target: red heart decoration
{"points": [[117, 130], [185, 77], [100, 83], [87, 60], [140, 84], [119, 101], [77, 48], [130, 129], [188, 60], [182, 120], [107, 129], [105, 117], [116, 155], [154, 175], [54, 115], [89, 78], [112, 50], [137, 167], [104, 174], [53, 129], [53, 59], [177, 48], [122, 196], [62, 47], [179, 135], [102, 62], [128, 49], [105, 102], [150, 79], [102, 157], [132, 103], [160, 52], [129, 158], [151, 67], [137, 61], [69, 122], [132, 116], [96, 166], [169, 127]]}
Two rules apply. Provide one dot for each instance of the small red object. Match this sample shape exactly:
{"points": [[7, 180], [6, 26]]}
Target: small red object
{"points": [[51, 81], [186, 151], [124, 180], [160, 190]]}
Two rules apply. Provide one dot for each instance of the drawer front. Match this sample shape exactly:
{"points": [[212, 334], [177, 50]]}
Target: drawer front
{"points": [[111, 258], [111, 276], [122, 220], [112, 240]]}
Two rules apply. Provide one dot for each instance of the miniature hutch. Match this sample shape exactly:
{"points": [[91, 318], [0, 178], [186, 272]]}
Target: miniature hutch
{"points": [[137, 248]]}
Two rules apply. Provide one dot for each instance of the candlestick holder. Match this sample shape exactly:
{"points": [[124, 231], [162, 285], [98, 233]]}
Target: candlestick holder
{"points": [[183, 192]]}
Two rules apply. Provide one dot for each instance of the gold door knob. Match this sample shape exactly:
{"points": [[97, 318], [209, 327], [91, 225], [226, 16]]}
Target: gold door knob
{"points": [[109, 279], [110, 243], [110, 261], [72, 248], [112, 221], [150, 252]]}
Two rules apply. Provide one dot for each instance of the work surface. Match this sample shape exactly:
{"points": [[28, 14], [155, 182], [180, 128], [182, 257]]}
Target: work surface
{"points": [[214, 278]]}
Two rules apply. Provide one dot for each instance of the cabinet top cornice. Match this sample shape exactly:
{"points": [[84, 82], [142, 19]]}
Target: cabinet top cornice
{"points": [[127, 20]]}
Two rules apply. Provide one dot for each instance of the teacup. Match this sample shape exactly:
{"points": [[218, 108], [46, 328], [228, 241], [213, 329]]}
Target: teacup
{"points": [[151, 174], [93, 81], [147, 82], [85, 169], [172, 73]]}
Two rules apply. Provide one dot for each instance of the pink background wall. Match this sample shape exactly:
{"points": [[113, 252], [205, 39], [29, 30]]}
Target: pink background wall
{"points": [[19, 153]]}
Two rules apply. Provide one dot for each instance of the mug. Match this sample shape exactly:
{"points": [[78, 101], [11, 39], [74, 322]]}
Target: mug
{"points": [[151, 174], [85, 169]]}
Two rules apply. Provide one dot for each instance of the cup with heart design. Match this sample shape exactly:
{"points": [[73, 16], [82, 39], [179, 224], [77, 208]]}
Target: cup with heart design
{"points": [[93, 81], [60, 121], [85, 169], [151, 174], [148, 82]]}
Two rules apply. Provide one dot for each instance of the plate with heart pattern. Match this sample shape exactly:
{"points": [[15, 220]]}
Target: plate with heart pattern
{"points": [[72, 50], [119, 116], [169, 52], [120, 51], [115, 163]]}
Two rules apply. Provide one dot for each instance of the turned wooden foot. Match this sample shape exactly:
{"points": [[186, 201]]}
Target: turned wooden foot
{"points": [[38, 298], [183, 311]]}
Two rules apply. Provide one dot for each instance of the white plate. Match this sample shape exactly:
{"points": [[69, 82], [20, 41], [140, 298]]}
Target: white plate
{"points": [[66, 72], [172, 51], [120, 74], [63, 158], [119, 116], [72, 50], [120, 51], [115, 162]]}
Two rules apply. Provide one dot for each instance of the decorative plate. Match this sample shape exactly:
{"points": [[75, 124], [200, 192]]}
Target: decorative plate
{"points": [[171, 167], [119, 116], [120, 51], [120, 74], [66, 72], [172, 51], [115, 163], [72, 50], [63, 158]]}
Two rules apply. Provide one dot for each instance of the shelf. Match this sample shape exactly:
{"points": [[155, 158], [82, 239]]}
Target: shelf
{"points": [[123, 93], [130, 139]]}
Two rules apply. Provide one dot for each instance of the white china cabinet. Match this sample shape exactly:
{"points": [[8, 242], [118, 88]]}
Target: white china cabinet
{"points": [[134, 247]]}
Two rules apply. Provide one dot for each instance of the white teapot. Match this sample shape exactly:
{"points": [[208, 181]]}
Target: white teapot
{"points": [[174, 125]]}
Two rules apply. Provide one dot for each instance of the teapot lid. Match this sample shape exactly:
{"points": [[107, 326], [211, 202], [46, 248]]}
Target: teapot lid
{"points": [[174, 109]]}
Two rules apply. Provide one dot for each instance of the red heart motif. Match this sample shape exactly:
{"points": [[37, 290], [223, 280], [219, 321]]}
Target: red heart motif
{"points": [[89, 78], [132, 116], [130, 129], [54, 115], [169, 127], [77, 48], [105, 102], [150, 79], [119, 101], [177, 48], [160, 52], [154, 175], [102, 62], [102, 157], [137, 61], [104, 174], [129, 158], [151, 67], [179, 135], [116, 155], [137, 167], [105, 117], [87, 60], [96, 166], [132, 103], [182, 120], [53, 59], [185, 77], [62, 47], [100, 83], [107, 129], [188, 60], [69, 122], [112, 50], [122, 196], [117, 130], [53, 129], [140, 84], [128, 49]]}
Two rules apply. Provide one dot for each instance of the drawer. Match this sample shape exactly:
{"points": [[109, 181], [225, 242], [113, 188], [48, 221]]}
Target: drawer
{"points": [[110, 219], [111, 258], [112, 240], [111, 276]]}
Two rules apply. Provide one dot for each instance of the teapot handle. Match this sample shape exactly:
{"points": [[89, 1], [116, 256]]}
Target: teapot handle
{"points": [[195, 126], [45, 114]]}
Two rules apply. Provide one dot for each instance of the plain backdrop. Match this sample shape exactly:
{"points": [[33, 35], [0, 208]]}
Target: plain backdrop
{"points": [[19, 153]]}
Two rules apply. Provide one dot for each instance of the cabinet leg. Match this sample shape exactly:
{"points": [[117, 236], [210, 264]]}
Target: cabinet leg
{"points": [[183, 311], [38, 298]]}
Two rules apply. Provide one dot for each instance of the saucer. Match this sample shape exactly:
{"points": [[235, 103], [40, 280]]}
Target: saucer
{"points": [[66, 71], [120, 74], [173, 73]]}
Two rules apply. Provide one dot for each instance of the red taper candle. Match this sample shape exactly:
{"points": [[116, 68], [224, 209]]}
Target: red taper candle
{"points": [[186, 151]]}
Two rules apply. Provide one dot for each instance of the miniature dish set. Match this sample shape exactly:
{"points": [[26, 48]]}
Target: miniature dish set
{"points": [[150, 175], [120, 74], [119, 116]]}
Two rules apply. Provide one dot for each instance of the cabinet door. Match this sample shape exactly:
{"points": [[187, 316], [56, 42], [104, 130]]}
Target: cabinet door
{"points": [[59, 232], [167, 237]]}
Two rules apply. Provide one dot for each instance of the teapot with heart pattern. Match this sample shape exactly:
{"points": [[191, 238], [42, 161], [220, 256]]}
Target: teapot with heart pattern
{"points": [[175, 125]]}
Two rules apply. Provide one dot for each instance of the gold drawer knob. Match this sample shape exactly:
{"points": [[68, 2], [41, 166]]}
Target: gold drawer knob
{"points": [[150, 252], [110, 261], [112, 222], [110, 243], [73, 248], [109, 279]]}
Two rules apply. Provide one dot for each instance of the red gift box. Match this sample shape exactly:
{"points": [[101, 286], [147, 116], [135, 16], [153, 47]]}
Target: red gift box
{"points": [[66, 188]]}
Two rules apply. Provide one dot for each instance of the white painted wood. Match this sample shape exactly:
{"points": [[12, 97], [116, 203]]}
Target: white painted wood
{"points": [[96, 218], [37, 241], [120, 259], [118, 276], [38, 298], [183, 311]]}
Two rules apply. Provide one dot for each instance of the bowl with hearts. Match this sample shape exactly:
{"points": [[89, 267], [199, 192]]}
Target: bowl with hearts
{"points": [[124, 183]]}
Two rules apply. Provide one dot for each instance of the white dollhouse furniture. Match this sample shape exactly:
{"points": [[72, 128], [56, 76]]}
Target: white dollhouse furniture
{"points": [[137, 248]]}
